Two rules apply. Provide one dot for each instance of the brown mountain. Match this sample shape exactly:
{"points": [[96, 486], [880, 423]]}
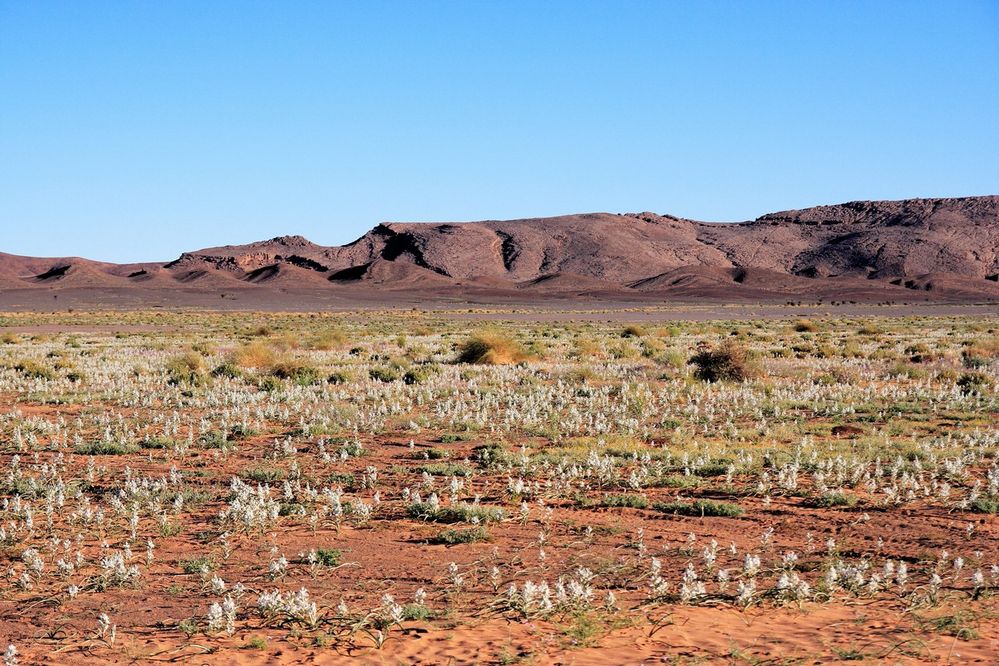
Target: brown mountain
{"points": [[942, 249]]}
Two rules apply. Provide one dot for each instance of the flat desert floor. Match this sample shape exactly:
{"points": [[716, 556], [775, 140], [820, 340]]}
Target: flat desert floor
{"points": [[610, 486]]}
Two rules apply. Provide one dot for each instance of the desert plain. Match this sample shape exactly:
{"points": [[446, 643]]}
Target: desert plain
{"points": [[500, 486]]}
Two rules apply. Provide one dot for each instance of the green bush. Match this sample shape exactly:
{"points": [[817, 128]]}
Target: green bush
{"points": [[451, 537], [187, 369], [974, 383], [297, 372], [456, 513], [105, 449], [729, 362], [34, 370], [383, 374], [630, 501], [700, 508]]}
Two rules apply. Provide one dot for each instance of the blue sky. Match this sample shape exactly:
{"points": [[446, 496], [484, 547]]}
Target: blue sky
{"points": [[135, 130]]}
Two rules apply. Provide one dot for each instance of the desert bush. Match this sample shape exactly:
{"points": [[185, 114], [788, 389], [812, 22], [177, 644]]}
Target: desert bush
{"points": [[631, 501], [384, 374], [974, 383], [327, 557], [451, 537], [34, 370], [445, 469], [296, 371], [805, 326], [418, 374], [830, 499], [253, 355], [633, 331], [985, 505], [456, 513], [103, 448], [229, 370], [338, 377], [701, 508], [491, 348], [187, 369], [327, 340], [728, 362]]}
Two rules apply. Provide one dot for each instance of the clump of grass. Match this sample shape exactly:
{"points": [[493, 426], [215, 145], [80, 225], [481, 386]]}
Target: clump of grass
{"points": [[491, 348], [974, 383], [456, 513], [830, 500], [805, 326], [338, 377], [327, 340], [187, 369], [985, 505], [445, 469], [229, 370], [430, 454], [197, 565], [255, 643], [633, 331], [628, 500], [384, 374], [451, 537], [418, 374], [296, 371], [699, 508], [728, 362], [263, 474], [105, 449], [34, 370], [252, 355], [327, 557]]}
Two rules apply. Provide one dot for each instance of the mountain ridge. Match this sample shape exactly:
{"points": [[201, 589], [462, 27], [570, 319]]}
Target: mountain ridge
{"points": [[947, 248]]}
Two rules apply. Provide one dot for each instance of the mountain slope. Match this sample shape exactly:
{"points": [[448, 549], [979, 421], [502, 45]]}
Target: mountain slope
{"points": [[938, 248]]}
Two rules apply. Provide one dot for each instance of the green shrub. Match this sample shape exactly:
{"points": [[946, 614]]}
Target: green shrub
{"points": [[327, 557], [338, 377], [456, 513], [445, 469], [974, 383], [830, 500], [228, 370], [187, 369], [630, 501], [418, 375], [105, 449], [296, 371], [729, 362], [263, 474], [34, 370], [383, 374], [985, 505], [701, 508], [451, 537]]}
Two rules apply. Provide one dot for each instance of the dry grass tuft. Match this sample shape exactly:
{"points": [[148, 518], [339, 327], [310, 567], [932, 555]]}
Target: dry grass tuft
{"points": [[491, 348], [253, 355], [729, 362]]}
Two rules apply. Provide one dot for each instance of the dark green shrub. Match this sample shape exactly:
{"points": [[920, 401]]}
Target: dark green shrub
{"points": [[729, 362], [700, 508]]}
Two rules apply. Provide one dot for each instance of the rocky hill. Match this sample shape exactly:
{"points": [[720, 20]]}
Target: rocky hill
{"points": [[944, 249]]}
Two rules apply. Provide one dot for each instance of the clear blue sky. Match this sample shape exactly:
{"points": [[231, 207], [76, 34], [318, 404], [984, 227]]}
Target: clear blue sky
{"points": [[135, 130]]}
